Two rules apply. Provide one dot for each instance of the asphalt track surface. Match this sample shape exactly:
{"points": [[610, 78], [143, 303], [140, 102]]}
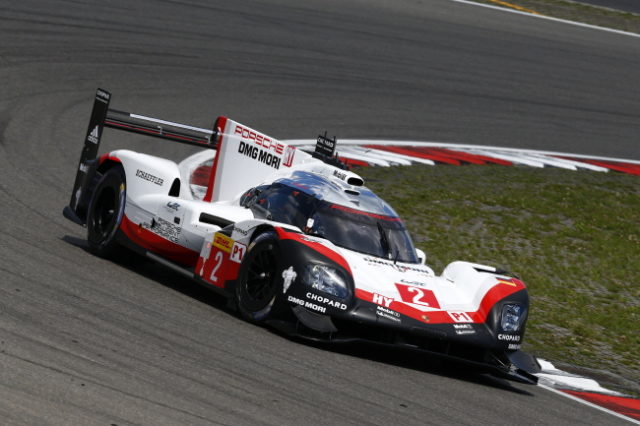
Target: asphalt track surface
{"points": [[87, 341]]}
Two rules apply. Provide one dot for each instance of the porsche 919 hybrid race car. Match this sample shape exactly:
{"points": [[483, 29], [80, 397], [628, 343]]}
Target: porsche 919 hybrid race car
{"points": [[293, 240]]}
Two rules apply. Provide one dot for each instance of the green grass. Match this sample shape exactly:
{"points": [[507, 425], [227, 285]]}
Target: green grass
{"points": [[580, 12], [573, 237]]}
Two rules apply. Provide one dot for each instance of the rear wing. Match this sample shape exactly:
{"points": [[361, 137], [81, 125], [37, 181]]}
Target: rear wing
{"points": [[102, 116], [244, 156]]}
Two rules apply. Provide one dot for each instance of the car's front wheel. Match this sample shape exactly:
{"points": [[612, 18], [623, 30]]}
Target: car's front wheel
{"points": [[105, 213], [258, 289]]}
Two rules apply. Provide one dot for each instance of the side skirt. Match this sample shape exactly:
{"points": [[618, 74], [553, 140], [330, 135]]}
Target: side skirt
{"points": [[185, 271]]}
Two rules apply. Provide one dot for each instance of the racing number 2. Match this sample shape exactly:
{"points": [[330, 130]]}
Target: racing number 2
{"points": [[218, 262], [417, 296]]}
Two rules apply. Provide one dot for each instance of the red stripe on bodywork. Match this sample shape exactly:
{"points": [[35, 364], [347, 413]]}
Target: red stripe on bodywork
{"points": [[495, 294], [283, 234], [108, 156], [221, 123], [157, 244], [623, 405]]}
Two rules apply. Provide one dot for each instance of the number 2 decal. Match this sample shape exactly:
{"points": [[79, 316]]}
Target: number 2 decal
{"points": [[417, 296], [218, 260]]}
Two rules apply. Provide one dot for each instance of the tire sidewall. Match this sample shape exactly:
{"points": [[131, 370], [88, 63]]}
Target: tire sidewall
{"points": [[100, 244], [274, 307]]}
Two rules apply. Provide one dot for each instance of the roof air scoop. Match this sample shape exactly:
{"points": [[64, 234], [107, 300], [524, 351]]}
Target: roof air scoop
{"points": [[349, 178]]}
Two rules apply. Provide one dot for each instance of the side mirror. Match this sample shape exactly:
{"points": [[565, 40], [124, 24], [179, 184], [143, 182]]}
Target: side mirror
{"points": [[422, 256]]}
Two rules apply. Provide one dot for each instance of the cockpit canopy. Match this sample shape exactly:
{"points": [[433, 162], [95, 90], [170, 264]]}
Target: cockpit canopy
{"points": [[352, 218]]}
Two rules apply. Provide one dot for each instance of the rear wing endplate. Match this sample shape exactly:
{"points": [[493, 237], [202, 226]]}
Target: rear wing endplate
{"points": [[102, 116]]}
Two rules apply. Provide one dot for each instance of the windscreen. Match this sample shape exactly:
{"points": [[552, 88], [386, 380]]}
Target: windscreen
{"points": [[364, 232], [377, 235]]}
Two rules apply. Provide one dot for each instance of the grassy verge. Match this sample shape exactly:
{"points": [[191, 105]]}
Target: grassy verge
{"points": [[579, 12], [573, 237]]}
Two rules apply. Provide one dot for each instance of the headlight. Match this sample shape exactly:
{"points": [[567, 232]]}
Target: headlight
{"points": [[512, 317], [326, 279]]}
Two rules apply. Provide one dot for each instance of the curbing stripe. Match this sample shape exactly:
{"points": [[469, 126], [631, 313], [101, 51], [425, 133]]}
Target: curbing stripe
{"points": [[590, 404], [387, 153], [549, 18]]}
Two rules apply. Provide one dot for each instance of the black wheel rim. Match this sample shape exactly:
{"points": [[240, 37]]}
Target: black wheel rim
{"points": [[105, 214], [261, 278]]}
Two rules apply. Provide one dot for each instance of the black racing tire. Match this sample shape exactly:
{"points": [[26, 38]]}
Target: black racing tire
{"points": [[106, 210], [259, 285]]}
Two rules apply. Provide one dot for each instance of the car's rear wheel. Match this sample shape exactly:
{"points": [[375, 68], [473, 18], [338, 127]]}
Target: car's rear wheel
{"points": [[258, 289], [105, 213]]}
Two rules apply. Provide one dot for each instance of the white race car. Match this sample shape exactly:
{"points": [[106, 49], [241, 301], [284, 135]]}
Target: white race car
{"points": [[294, 240]]}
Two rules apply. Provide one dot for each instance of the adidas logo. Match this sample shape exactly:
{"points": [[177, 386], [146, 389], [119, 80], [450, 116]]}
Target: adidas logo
{"points": [[93, 136]]}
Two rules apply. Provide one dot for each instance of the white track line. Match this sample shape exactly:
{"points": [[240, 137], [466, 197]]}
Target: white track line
{"points": [[514, 158], [379, 154], [366, 159], [590, 404], [549, 18], [409, 158]]}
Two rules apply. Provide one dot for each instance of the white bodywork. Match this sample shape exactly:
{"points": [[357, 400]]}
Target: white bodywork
{"points": [[247, 158]]}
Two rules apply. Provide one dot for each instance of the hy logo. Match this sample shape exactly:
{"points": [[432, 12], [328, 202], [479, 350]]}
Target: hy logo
{"points": [[93, 136]]}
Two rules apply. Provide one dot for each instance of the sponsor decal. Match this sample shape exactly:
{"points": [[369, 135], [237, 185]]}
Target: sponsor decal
{"points": [[288, 275], [259, 155], [513, 346], [222, 242], [289, 153], [325, 146], [93, 136], [460, 316], [326, 301], [509, 337], [463, 326], [237, 252], [413, 283], [165, 229], [417, 296], [383, 312], [172, 205], [397, 267], [259, 139], [379, 299], [310, 239], [240, 231], [104, 96], [307, 304], [295, 300], [462, 329], [149, 177], [83, 168], [340, 175]]}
